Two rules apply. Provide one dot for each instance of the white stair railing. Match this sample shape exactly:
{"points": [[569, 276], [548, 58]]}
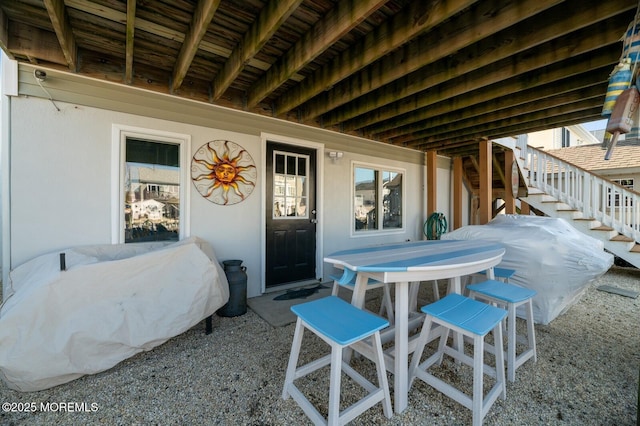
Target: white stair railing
{"points": [[608, 202]]}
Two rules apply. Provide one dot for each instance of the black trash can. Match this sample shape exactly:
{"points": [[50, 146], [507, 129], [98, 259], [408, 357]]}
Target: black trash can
{"points": [[237, 278]]}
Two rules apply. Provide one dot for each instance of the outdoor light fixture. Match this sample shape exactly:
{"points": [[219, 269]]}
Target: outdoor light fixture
{"points": [[335, 155], [40, 75]]}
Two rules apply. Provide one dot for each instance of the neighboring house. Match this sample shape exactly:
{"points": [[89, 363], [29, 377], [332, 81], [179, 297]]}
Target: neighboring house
{"points": [[623, 167], [147, 209], [564, 137]]}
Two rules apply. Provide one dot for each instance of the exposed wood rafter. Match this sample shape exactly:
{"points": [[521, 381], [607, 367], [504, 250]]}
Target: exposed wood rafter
{"points": [[62, 28], [416, 18], [426, 75], [339, 21], [4, 34], [491, 50], [437, 44], [269, 20], [131, 26], [201, 19]]}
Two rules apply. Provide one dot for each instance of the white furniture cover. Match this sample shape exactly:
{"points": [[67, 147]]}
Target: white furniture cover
{"points": [[549, 256], [112, 302]]}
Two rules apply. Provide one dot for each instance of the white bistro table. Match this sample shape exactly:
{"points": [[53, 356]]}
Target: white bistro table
{"points": [[416, 261]]}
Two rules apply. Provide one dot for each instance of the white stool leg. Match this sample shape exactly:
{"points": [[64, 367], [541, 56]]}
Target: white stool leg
{"points": [[531, 332], [436, 290], [293, 358], [499, 354], [478, 366], [414, 289], [334, 385], [335, 289], [420, 344], [511, 342], [387, 303], [382, 376]]}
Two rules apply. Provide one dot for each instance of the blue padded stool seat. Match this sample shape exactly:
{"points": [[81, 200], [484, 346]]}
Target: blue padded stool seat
{"points": [[385, 307], [508, 292], [338, 320], [471, 318], [511, 297], [340, 325], [504, 273], [465, 313]]}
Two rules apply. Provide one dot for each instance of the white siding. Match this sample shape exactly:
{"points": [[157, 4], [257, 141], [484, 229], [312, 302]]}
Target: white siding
{"points": [[61, 186]]}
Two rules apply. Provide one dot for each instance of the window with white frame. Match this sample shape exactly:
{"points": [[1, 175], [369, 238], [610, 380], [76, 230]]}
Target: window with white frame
{"points": [[151, 192], [377, 189]]}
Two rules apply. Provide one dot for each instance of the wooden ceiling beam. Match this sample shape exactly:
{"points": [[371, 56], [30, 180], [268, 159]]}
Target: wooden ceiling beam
{"points": [[509, 93], [36, 44], [491, 50], [159, 30], [417, 17], [271, 17], [549, 60], [441, 42], [498, 168], [202, 17], [435, 128], [588, 84], [487, 126], [62, 28], [130, 37], [345, 16], [553, 120], [4, 34]]}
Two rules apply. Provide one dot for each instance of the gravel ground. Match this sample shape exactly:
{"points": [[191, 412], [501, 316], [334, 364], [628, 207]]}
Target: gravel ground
{"points": [[586, 374]]}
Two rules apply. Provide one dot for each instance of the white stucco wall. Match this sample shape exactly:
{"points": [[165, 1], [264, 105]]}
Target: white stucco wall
{"points": [[61, 187]]}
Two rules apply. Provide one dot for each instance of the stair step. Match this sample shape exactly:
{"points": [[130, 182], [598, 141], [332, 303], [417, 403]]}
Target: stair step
{"points": [[602, 228], [623, 238], [567, 210], [635, 249], [588, 219]]}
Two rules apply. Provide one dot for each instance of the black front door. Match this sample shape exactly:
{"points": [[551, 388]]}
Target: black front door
{"points": [[291, 214]]}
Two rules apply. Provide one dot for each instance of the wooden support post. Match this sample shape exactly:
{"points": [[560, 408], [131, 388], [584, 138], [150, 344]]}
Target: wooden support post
{"points": [[486, 178], [511, 179], [432, 182], [457, 192], [524, 208]]}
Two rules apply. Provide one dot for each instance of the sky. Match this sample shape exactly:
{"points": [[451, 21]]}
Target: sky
{"points": [[595, 125]]}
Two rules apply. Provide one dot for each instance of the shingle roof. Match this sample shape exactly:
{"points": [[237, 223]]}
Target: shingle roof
{"points": [[626, 154]]}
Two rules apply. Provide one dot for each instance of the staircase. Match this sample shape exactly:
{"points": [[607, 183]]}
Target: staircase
{"points": [[595, 206]]}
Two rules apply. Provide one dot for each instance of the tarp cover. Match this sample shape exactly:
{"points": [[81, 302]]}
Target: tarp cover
{"points": [[112, 302], [549, 256]]}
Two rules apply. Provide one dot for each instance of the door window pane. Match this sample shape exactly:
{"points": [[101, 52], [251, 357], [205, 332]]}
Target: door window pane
{"points": [[152, 191], [290, 186]]}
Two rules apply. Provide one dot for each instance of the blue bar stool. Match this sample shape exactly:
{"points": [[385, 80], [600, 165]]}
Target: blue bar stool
{"points": [[340, 325], [473, 319], [510, 297], [349, 282], [502, 274]]}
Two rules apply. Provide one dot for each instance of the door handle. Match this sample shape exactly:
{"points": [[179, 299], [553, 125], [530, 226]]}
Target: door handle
{"points": [[313, 220]]}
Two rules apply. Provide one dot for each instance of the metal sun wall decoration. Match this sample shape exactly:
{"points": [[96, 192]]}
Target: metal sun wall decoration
{"points": [[219, 166]]}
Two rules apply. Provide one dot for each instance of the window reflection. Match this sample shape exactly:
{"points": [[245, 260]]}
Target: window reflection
{"points": [[152, 191], [290, 185], [377, 190]]}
